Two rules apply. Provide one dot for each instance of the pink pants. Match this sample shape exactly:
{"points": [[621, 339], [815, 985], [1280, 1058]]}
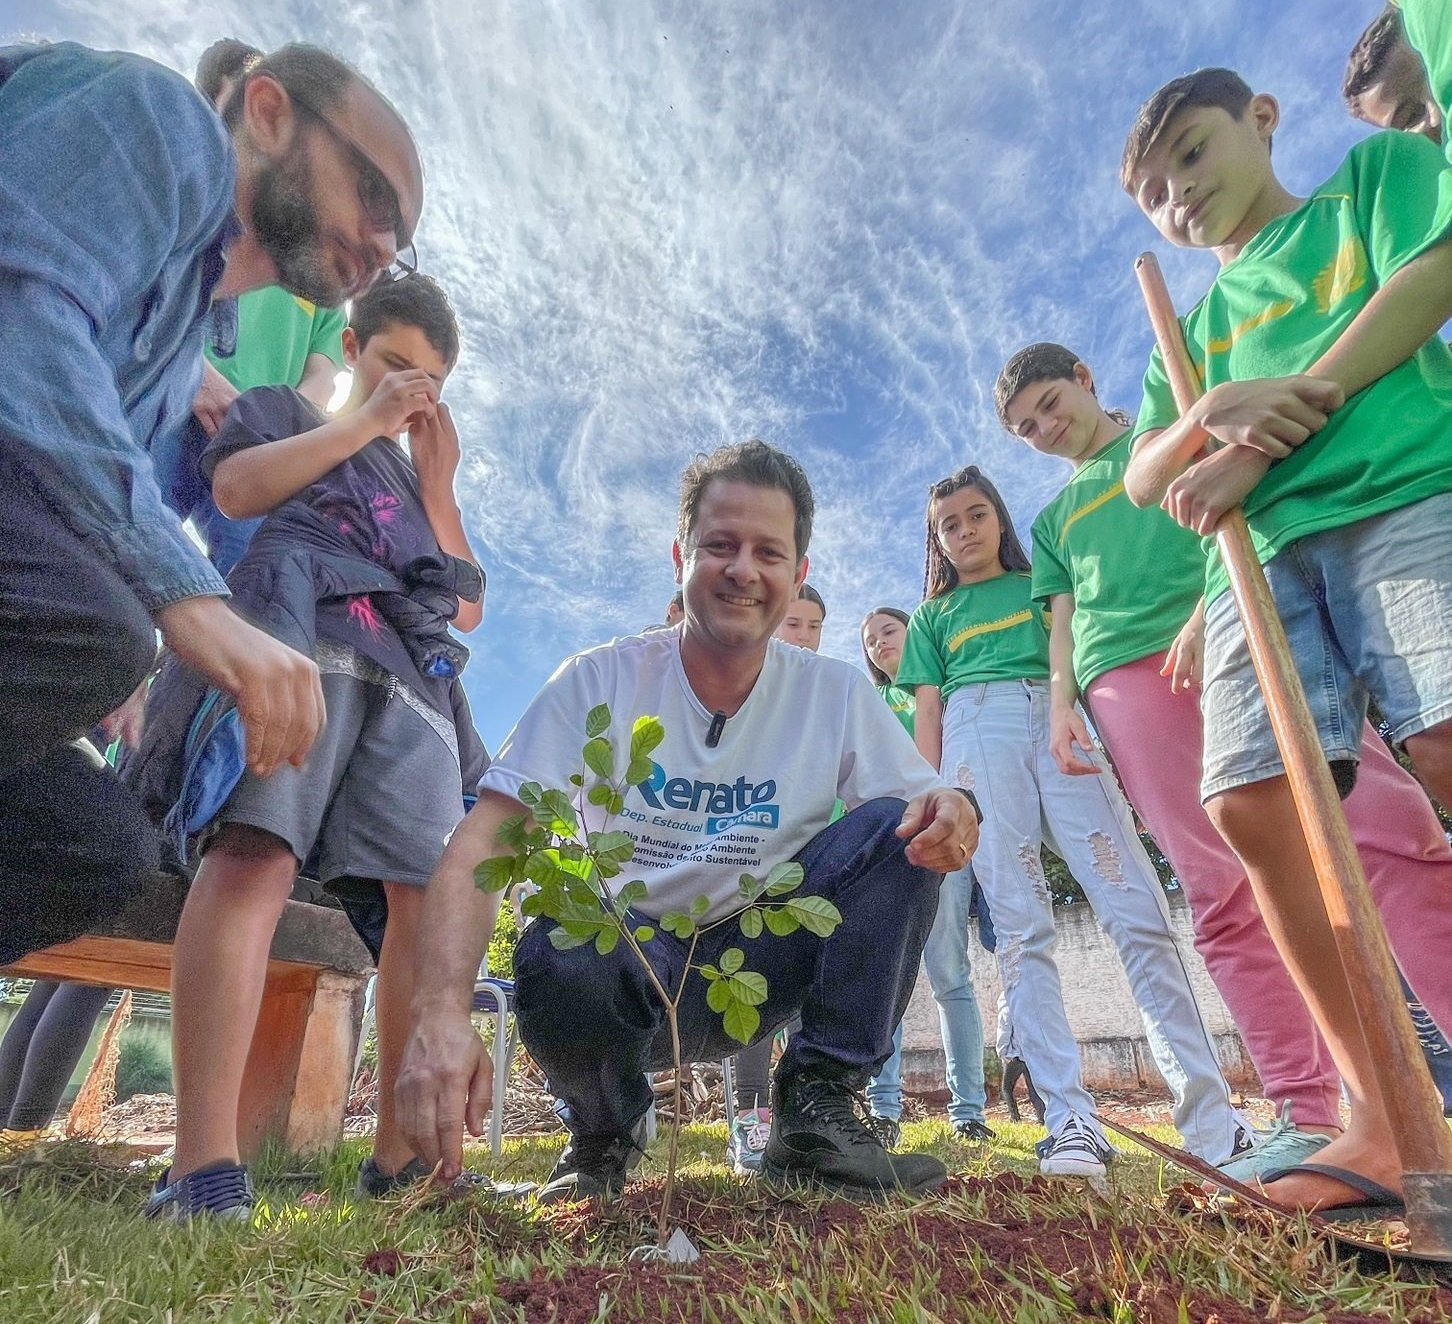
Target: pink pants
{"points": [[1154, 739]]}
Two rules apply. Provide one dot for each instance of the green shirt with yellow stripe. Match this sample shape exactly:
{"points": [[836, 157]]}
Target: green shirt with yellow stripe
{"points": [[277, 332], [1289, 296], [903, 702], [989, 631], [1135, 575]]}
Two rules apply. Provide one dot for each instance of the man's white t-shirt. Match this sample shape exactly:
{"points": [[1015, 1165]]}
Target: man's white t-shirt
{"points": [[812, 731]]}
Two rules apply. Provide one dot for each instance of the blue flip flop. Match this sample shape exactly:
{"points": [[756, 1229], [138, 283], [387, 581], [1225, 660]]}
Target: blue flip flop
{"points": [[1379, 1202]]}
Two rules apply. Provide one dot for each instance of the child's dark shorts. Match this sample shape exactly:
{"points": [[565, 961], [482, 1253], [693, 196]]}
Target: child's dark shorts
{"points": [[380, 791]]}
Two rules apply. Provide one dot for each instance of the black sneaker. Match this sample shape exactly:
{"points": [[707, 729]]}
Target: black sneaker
{"points": [[819, 1140], [976, 1132], [593, 1167], [1076, 1149], [887, 1129]]}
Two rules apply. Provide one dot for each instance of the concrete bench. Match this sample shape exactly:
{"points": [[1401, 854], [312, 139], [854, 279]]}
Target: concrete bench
{"points": [[300, 1069]]}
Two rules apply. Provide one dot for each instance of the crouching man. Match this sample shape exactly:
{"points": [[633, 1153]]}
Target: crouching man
{"points": [[782, 730]]}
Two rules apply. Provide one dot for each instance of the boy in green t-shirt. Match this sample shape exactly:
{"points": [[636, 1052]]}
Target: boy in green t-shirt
{"points": [[1332, 396], [1120, 582]]}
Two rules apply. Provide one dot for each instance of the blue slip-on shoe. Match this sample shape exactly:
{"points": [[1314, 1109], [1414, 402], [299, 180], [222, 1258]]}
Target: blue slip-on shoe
{"points": [[220, 1190]]}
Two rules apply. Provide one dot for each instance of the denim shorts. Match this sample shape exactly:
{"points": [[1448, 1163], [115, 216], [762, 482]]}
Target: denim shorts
{"points": [[1368, 612]]}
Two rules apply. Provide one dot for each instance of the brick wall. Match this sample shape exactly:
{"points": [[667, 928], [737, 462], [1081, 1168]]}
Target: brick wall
{"points": [[1102, 1013]]}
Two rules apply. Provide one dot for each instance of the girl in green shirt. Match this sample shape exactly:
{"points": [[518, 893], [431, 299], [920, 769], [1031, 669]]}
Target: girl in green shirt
{"points": [[945, 956], [977, 654]]}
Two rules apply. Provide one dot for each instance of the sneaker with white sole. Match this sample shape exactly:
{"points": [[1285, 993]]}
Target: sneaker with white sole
{"points": [[1282, 1145], [220, 1190], [1076, 1149], [750, 1131]]}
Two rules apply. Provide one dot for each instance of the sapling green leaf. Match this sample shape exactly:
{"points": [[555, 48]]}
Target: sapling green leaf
{"points": [[511, 832], [606, 940], [751, 923], [496, 873], [784, 878], [599, 755], [780, 922], [740, 1021], [616, 804], [718, 995], [749, 986], [700, 906], [678, 925], [639, 770], [732, 959], [562, 940], [529, 794], [613, 847], [556, 814], [597, 721], [600, 795], [576, 780], [815, 913], [644, 933]]}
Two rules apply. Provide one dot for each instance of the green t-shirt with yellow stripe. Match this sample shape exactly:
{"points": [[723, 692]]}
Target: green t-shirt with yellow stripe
{"points": [[975, 633], [1285, 301], [903, 702], [277, 332], [1135, 575]]}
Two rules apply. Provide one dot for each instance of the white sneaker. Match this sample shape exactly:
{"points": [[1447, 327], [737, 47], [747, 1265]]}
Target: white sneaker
{"points": [[1076, 1149]]}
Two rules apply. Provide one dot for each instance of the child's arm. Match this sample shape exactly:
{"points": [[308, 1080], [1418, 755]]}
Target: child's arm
{"points": [[1397, 321], [1185, 660], [1271, 416], [1066, 726], [258, 479], [928, 724], [434, 447]]}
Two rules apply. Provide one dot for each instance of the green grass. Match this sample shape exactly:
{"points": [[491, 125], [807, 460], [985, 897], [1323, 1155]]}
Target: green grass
{"points": [[73, 1248]]}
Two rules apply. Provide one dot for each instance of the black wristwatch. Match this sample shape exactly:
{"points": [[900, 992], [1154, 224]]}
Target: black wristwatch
{"points": [[972, 800]]}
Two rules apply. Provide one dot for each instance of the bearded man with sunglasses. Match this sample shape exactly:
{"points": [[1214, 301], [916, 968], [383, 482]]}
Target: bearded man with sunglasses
{"points": [[126, 208]]}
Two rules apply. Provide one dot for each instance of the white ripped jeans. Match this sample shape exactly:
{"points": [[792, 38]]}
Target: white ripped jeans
{"points": [[996, 742]]}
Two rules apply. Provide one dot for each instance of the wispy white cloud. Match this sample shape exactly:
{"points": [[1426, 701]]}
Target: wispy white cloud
{"points": [[670, 224]]}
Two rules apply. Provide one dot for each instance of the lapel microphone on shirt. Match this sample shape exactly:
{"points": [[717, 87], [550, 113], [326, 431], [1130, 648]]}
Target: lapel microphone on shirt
{"points": [[713, 734]]}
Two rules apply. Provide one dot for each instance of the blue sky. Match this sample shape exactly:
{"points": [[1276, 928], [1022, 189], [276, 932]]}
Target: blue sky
{"points": [[666, 226]]}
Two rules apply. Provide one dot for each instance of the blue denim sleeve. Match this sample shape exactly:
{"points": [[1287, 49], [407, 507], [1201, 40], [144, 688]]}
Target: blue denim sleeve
{"points": [[114, 180], [74, 443]]}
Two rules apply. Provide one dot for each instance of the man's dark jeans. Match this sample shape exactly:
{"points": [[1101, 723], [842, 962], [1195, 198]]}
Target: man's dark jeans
{"points": [[595, 1025], [74, 643]]}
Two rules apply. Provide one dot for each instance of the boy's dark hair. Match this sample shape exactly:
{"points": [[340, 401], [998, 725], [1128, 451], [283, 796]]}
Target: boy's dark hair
{"points": [[879, 676], [1365, 64], [678, 598], [412, 300], [228, 58], [751, 462], [1223, 88], [938, 573], [1043, 362], [317, 78], [809, 594]]}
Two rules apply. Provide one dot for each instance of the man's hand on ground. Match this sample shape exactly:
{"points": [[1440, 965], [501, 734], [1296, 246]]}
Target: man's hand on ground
{"points": [[277, 690], [445, 1083], [941, 831]]}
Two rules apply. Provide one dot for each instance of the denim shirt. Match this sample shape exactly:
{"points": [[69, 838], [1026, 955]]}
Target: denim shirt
{"points": [[116, 194]]}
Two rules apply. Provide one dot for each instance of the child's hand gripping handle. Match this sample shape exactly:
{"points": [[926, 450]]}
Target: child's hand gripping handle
{"points": [[1424, 1144]]}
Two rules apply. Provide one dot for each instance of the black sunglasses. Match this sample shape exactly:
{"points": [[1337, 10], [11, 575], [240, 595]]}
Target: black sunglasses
{"points": [[378, 196]]}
